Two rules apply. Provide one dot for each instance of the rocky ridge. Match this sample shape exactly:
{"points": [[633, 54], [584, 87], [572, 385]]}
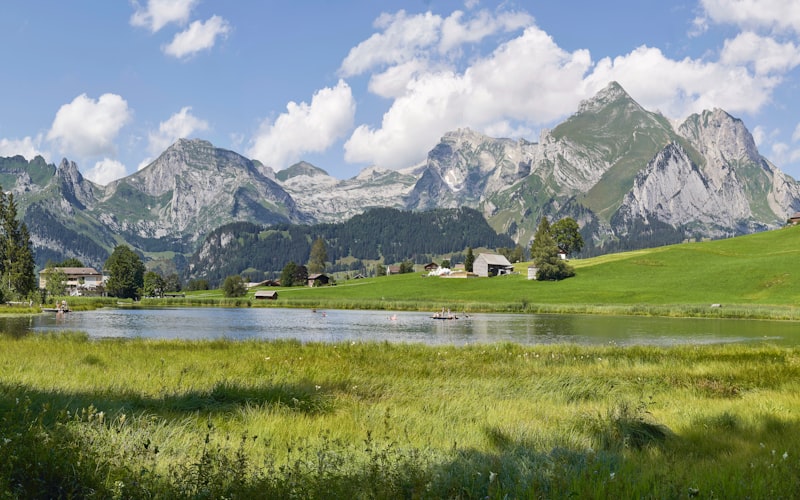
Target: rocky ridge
{"points": [[613, 166]]}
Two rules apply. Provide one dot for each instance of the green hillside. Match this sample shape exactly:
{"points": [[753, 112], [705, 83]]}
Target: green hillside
{"points": [[744, 274]]}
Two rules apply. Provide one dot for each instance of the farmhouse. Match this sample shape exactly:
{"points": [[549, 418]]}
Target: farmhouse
{"points": [[431, 266], [317, 279], [490, 264], [794, 219], [78, 278]]}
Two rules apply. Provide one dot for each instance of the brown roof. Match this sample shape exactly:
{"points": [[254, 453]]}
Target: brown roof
{"points": [[74, 271]]}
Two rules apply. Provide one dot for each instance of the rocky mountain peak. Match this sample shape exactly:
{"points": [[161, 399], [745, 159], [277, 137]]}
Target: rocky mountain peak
{"points": [[301, 168], [611, 94], [719, 137], [75, 188]]}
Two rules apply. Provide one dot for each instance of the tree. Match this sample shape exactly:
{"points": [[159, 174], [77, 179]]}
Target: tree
{"points": [[567, 235], [197, 284], [154, 284], [56, 284], [319, 254], [300, 275], [406, 266], [469, 260], [234, 286], [71, 262], [16, 253], [172, 283], [126, 273], [446, 263], [544, 253], [287, 275]]}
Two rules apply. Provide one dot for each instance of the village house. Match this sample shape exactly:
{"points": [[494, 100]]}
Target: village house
{"points": [[431, 266], [78, 278], [490, 264], [266, 295], [317, 279], [794, 219]]}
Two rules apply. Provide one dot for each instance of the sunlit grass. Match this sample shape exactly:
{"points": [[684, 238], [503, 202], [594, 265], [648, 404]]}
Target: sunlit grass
{"points": [[388, 420]]}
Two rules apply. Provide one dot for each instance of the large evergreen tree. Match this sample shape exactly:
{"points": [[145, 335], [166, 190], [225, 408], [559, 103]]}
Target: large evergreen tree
{"points": [[319, 254], [126, 273], [544, 253], [16, 253], [469, 260]]}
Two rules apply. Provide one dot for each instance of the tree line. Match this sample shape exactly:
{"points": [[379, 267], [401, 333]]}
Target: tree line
{"points": [[386, 235]]}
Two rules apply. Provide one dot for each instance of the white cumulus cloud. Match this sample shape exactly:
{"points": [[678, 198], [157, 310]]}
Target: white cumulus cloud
{"points": [[773, 15], [88, 127], [158, 13], [180, 125], [456, 33], [528, 79], [680, 87], [403, 38], [765, 54], [27, 147], [198, 36], [105, 171], [305, 128]]}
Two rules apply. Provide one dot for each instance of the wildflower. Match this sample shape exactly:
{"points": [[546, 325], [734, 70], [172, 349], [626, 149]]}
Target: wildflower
{"points": [[492, 476], [318, 387], [612, 475], [6, 440], [785, 455]]}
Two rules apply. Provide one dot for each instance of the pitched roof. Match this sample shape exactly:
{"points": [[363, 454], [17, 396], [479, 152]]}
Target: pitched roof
{"points": [[494, 259], [74, 271]]}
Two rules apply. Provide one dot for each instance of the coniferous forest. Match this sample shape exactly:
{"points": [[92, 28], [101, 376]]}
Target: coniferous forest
{"points": [[381, 234]]}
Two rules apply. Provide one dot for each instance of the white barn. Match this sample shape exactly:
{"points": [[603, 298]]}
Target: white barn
{"points": [[490, 264]]}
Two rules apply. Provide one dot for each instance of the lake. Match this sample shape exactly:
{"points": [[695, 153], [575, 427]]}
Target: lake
{"points": [[307, 325]]}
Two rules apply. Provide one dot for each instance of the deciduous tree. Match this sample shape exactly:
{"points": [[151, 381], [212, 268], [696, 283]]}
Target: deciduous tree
{"points": [[126, 273], [544, 253], [234, 286], [567, 235]]}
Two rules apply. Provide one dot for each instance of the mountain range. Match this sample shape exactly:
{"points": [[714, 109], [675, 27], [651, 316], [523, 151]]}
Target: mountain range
{"points": [[629, 176]]}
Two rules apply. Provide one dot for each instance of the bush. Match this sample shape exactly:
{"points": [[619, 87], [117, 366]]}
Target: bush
{"points": [[234, 286]]}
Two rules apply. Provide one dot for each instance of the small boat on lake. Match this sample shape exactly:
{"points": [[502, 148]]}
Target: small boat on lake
{"points": [[444, 315]]}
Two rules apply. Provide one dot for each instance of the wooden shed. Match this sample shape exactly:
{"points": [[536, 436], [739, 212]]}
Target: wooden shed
{"points": [[490, 264], [266, 295], [318, 279]]}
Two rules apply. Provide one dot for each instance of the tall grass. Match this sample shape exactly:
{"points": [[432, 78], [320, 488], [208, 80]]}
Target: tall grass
{"points": [[173, 419]]}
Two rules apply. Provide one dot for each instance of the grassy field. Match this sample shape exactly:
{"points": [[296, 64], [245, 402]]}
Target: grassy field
{"points": [[753, 276], [170, 419], [217, 419]]}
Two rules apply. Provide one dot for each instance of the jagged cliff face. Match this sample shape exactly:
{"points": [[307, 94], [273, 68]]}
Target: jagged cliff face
{"points": [[191, 189], [327, 199], [613, 166]]}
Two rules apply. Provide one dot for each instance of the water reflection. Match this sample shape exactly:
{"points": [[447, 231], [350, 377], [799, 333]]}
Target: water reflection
{"points": [[340, 326]]}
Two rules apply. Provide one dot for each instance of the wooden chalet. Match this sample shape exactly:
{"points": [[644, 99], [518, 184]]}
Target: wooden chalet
{"points": [[318, 279]]}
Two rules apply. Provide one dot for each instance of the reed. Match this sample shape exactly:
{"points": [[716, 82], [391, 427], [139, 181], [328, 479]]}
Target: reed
{"points": [[175, 419]]}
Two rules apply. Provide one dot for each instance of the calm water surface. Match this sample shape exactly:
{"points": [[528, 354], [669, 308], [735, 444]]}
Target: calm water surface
{"points": [[306, 325]]}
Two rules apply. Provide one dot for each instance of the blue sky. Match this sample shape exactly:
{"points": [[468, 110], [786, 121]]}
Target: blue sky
{"points": [[355, 83]]}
